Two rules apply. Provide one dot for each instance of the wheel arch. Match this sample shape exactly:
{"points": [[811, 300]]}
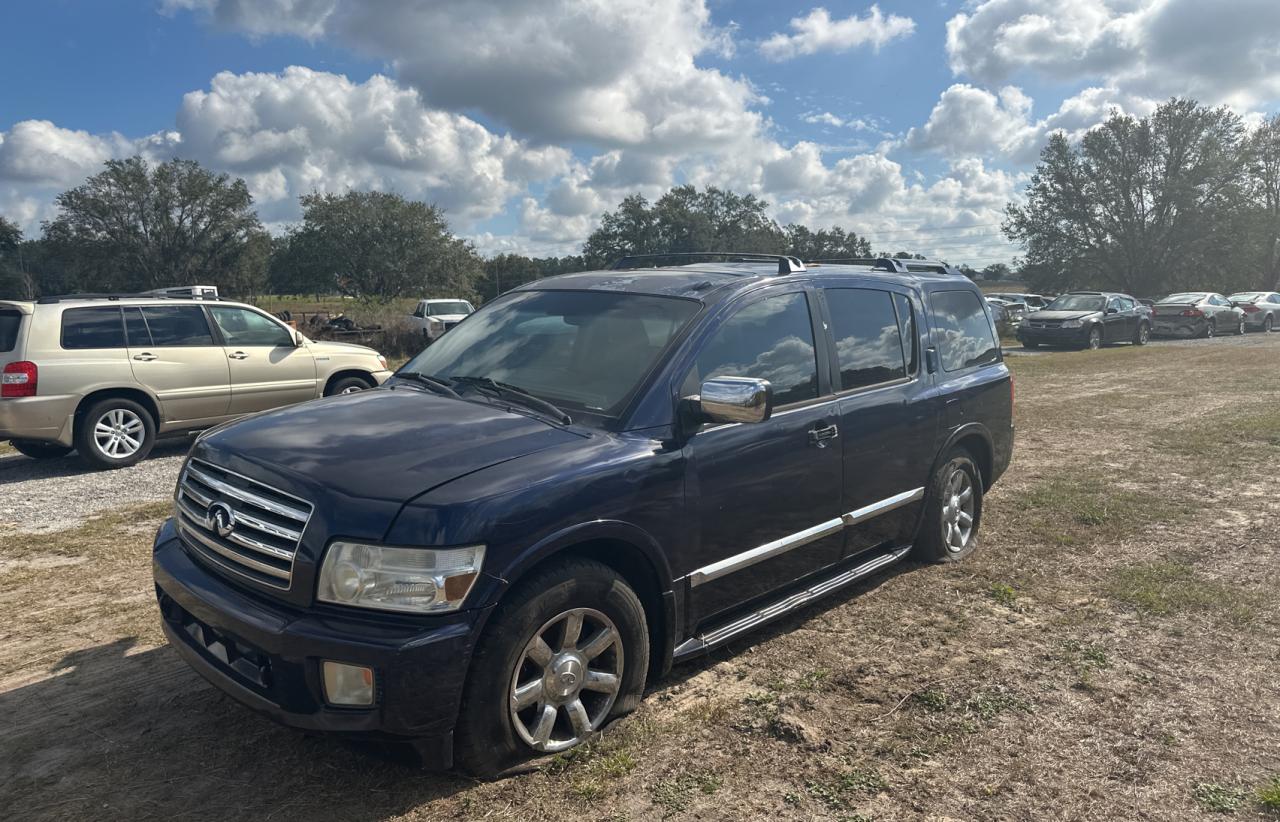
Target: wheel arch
{"points": [[343, 373], [629, 551], [148, 402], [975, 439]]}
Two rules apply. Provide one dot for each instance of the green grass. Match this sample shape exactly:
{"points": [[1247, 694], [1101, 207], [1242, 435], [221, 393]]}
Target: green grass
{"points": [[1004, 594], [1238, 435], [1074, 507], [676, 793], [1168, 588], [1218, 798], [1268, 795], [840, 792]]}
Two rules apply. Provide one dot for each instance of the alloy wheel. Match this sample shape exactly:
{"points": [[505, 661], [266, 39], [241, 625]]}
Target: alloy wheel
{"points": [[119, 433], [1144, 334], [1095, 339], [351, 389], [957, 510], [566, 680]]}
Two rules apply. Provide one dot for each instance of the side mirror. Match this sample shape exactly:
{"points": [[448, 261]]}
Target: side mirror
{"points": [[736, 399], [1113, 311], [298, 339]]}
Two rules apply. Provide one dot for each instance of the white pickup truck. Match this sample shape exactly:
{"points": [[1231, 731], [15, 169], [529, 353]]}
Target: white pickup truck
{"points": [[434, 317]]}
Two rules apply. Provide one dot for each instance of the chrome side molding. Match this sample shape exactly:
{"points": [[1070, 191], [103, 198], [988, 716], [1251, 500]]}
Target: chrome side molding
{"points": [[746, 559], [710, 639]]}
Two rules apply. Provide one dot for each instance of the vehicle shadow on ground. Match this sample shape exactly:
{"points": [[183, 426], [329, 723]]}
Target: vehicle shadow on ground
{"points": [[119, 733], [116, 732], [17, 468]]}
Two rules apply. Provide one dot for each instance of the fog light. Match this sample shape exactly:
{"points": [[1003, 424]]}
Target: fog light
{"points": [[347, 684]]}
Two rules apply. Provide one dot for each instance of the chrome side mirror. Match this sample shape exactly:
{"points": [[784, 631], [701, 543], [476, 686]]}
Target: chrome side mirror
{"points": [[736, 399]]}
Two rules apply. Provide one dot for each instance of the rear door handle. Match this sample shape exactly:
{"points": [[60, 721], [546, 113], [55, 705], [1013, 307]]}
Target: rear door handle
{"points": [[238, 355], [145, 357], [821, 436]]}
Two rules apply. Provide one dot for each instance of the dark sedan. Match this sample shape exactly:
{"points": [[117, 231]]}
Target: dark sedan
{"points": [[1196, 314], [1087, 319]]}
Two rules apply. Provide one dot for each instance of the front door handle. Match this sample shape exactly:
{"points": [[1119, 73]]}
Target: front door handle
{"points": [[145, 357], [821, 436], [238, 355]]}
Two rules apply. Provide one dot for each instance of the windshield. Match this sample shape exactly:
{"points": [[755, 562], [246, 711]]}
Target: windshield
{"points": [[449, 307], [1078, 302], [582, 350], [1246, 297], [1189, 297]]}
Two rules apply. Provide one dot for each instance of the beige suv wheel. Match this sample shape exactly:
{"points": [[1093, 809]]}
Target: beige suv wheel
{"points": [[115, 433]]}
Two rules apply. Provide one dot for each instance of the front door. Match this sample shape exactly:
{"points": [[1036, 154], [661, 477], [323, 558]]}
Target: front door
{"points": [[1116, 322], [765, 496], [267, 369], [173, 353], [888, 413]]}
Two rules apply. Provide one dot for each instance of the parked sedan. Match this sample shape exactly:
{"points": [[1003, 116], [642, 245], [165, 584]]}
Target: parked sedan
{"points": [[1196, 314], [1087, 319], [1261, 308]]}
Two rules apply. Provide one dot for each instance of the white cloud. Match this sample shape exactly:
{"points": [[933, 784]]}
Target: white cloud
{"points": [[613, 72], [817, 32], [1218, 52]]}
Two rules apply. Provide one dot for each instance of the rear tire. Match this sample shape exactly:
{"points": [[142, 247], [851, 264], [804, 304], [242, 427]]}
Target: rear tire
{"points": [[115, 433], [1240, 329], [947, 506], [1267, 323], [1144, 334], [1210, 330], [40, 450], [490, 736]]}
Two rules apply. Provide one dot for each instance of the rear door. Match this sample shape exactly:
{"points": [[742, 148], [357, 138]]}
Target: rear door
{"points": [[268, 369], [173, 353], [888, 414]]}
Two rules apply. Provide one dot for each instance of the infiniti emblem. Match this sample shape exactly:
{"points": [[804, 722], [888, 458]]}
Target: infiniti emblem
{"points": [[224, 519]]}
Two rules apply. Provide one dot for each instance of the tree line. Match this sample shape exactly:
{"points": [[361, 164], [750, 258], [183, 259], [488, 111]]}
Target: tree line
{"points": [[1186, 198]]}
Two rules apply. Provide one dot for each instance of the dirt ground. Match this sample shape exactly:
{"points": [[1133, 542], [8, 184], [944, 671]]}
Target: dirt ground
{"points": [[1109, 653]]}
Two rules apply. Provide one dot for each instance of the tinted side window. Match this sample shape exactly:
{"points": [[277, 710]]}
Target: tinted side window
{"points": [[177, 325], [772, 340], [92, 328], [868, 338], [242, 327], [965, 337], [10, 320]]}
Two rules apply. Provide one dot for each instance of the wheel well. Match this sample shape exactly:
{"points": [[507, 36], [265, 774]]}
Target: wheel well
{"points": [[633, 566], [980, 450], [140, 397], [350, 372]]}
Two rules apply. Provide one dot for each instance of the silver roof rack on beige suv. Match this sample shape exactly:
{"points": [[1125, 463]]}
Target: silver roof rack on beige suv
{"points": [[185, 292]]}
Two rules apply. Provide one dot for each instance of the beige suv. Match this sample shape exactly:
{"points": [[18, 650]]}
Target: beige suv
{"points": [[105, 376]]}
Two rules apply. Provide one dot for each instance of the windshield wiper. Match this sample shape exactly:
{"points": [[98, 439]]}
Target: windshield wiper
{"points": [[509, 391], [437, 385]]}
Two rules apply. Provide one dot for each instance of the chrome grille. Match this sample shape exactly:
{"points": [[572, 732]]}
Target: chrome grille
{"points": [[260, 526]]}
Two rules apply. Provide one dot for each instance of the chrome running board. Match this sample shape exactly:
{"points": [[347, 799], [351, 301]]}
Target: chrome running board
{"points": [[710, 639]]}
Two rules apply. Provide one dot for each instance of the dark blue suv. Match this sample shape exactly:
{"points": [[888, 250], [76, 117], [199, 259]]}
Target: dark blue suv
{"points": [[591, 477]]}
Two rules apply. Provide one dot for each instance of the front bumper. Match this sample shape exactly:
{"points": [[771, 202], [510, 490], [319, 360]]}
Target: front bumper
{"points": [[46, 418], [267, 656], [1053, 335], [381, 376]]}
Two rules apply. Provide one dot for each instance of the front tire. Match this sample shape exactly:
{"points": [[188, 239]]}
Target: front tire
{"points": [[953, 511], [1095, 339], [567, 652], [115, 433], [347, 385], [1240, 329], [40, 450]]}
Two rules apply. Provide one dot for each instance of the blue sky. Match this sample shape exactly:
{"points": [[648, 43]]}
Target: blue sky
{"points": [[911, 122]]}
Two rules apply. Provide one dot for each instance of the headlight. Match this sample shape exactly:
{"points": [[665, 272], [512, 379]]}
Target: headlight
{"points": [[436, 326], [1072, 323], [414, 580], [382, 361]]}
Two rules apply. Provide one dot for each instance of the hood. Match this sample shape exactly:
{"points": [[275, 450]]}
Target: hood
{"points": [[1060, 315], [330, 347], [390, 444]]}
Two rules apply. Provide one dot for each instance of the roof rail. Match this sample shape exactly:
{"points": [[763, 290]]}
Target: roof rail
{"points": [[186, 292], [786, 263], [898, 265]]}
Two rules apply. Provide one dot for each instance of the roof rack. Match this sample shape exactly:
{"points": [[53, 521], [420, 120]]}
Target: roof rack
{"points": [[185, 292], [786, 264], [898, 265]]}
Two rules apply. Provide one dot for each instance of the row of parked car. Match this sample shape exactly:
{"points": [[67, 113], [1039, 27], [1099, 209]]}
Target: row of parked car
{"points": [[1091, 319]]}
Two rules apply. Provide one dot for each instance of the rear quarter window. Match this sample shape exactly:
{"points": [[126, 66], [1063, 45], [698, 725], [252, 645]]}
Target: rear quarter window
{"points": [[10, 322], [965, 337], [85, 328]]}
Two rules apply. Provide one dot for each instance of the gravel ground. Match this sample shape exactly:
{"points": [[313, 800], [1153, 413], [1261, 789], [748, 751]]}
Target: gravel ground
{"points": [[48, 495]]}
